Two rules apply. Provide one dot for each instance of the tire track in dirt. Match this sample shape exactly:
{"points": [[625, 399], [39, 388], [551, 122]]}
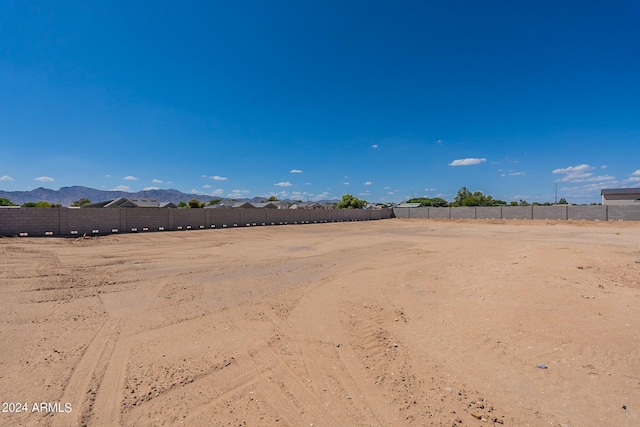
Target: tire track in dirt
{"points": [[274, 380], [96, 383]]}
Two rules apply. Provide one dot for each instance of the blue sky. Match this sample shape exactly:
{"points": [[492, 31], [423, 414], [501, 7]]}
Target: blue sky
{"points": [[315, 99]]}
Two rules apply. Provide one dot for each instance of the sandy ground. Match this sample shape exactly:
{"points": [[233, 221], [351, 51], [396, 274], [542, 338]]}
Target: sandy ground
{"points": [[394, 322]]}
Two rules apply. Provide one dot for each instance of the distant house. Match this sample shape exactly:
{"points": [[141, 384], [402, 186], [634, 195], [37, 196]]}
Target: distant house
{"points": [[243, 205], [408, 205], [124, 202], [306, 205], [266, 205], [620, 196], [327, 205]]}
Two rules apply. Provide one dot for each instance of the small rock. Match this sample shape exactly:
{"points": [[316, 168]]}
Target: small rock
{"points": [[624, 407]]}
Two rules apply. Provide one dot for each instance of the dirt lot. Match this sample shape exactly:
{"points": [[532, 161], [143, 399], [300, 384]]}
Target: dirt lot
{"points": [[394, 322]]}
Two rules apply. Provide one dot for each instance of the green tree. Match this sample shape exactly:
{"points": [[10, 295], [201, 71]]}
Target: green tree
{"points": [[182, 204], [562, 201], [80, 202], [272, 199], [40, 204], [350, 202], [214, 202], [195, 204], [465, 197], [463, 194], [426, 201], [6, 202]]}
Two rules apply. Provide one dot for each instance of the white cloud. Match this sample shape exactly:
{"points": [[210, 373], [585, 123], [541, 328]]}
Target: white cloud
{"points": [[320, 196], [366, 193], [295, 171], [237, 193], [130, 178], [367, 183], [516, 173], [575, 173], [107, 176], [345, 183], [429, 189], [284, 184], [634, 177], [44, 179], [390, 193], [374, 146], [219, 178], [603, 167], [203, 176], [6, 178], [206, 186], [439, 141], [601, 178], [121, 188], [150, 188], [156, 181], [467, 162], [217, 192]]}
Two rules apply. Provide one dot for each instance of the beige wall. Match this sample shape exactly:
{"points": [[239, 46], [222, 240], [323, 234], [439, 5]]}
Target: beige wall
{"points": [[621, 199]]}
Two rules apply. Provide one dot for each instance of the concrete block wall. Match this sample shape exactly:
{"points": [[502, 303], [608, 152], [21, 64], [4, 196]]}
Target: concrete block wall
{"points": [[186, 219], [81, 221], [300, 216], [222, 218], [33, 221], [587, 213], [488, 212], [623, 213], [590, 213], [464, 212], [322, 215], [278, 216], [249, 217], [69, 222], [337, 214], [439, 213], [517, 212], [549, 212], [131, 221]]}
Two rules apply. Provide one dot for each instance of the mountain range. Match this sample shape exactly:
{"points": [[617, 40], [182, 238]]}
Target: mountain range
{"points": [[65, 196]]}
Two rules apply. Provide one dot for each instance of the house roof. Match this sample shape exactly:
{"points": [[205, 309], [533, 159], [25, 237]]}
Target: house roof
{"points": [[619, 191], [408, 205], [124, 202], [243, 205], [266, 205]]}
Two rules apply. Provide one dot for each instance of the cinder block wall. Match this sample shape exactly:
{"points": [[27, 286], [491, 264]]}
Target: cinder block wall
{"points": [[69, 222], [590, 213], [549, 212], [587, 213], [623, 213]]}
